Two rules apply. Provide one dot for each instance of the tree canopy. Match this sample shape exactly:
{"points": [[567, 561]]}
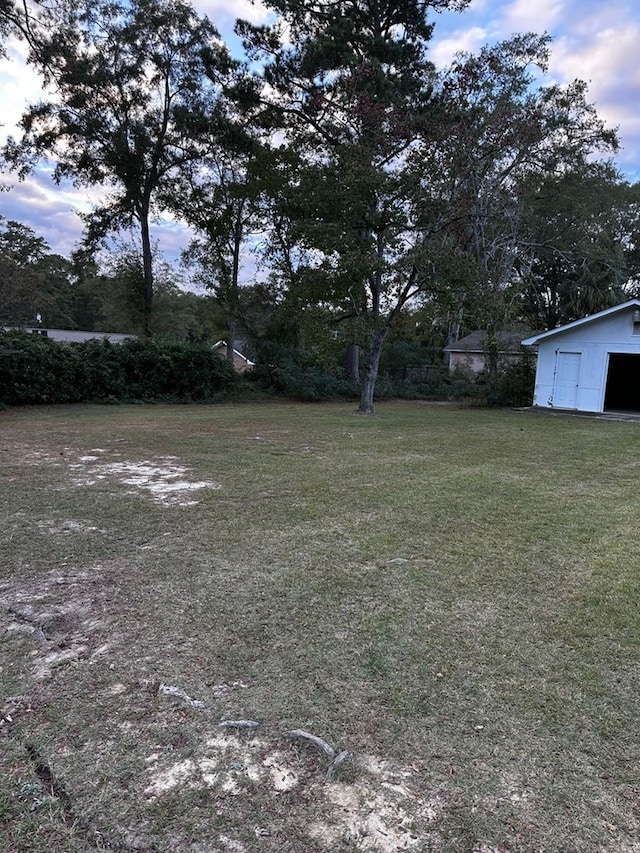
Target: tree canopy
{"points": [[374, 183], [136, 99]]}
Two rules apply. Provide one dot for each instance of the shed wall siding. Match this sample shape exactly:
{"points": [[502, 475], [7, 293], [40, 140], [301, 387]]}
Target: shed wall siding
{"points": [[594, 342]]}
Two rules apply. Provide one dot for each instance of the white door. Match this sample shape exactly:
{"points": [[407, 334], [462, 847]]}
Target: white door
{"points": [[565, 393]]}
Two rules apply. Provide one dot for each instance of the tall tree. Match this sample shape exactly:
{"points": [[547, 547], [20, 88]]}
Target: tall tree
{"points": [[350, 90], [582, 228], [504, 136], [407, 177], [221, 204], [33, 281], [136, 97]]}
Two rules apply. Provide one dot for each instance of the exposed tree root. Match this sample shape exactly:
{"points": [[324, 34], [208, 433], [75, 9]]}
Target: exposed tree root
{"points": [[239, 724], [318, 742]]}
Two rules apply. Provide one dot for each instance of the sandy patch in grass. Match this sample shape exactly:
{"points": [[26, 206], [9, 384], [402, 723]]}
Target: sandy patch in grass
{"points": [[163, 478], [376, 819], [60, 526], [166, 482], [225, 761], [58, 614], [379, 811]]}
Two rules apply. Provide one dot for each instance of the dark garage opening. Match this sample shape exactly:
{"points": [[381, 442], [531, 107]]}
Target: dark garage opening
{"points": [[622, 393]]}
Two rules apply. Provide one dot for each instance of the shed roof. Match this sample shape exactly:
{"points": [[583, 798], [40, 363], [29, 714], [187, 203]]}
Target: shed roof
{"points": [[592, 318]]}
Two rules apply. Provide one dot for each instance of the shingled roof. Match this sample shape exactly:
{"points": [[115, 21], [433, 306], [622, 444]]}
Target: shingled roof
{"points": [[477, 342]]}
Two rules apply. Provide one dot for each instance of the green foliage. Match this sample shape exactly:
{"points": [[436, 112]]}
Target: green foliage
{"points": [[288, 371], [408, 360], [136, 101], [410, 372], [178, 371], [471, 191], [310, 384], [32, 279], [35, 369], [514, 385], [399, 177], [582, 257]]}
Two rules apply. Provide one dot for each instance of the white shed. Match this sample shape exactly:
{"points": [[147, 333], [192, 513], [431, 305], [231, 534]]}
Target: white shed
{"points": [[591, 365]]}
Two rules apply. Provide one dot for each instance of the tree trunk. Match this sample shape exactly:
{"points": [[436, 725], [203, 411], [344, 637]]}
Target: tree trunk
{"points": [[232, 295], [371, 371], [452, 338], [492, 356], [352, 363], [231, 334], [147, 275], [454, 328]]}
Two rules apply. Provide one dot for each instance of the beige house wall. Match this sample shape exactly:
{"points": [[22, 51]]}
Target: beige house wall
{"points": [[240, 363], [475, 362], [471, 361]]}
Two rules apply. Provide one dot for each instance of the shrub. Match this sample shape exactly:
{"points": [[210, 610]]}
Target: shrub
{"points": [[34, 369], [515, 385], [310, 384]]}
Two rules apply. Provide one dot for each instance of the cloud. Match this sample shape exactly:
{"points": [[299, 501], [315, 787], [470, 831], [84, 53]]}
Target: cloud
{"points": [[522, 16], [219, 10], [225, 14], [19, 86], [49, 213], [172, 237], [465, 40], [607, 59]]}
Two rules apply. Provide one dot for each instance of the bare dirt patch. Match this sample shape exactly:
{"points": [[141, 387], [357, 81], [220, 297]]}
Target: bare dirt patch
{"points": [[58, 614], [378, 809], [165, 480]]}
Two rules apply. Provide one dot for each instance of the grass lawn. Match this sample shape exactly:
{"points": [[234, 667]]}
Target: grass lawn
{"points": [[451, 595]]}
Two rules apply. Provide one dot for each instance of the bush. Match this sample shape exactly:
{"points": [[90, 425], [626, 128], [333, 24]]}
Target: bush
{"points": [[309, 384], [515, 385], [35, 369], [105, 374]]}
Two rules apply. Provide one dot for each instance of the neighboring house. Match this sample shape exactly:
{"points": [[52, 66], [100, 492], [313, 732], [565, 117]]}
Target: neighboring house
{"points": [[240, 362], [71, 336], [591, 365], [470, 353]]}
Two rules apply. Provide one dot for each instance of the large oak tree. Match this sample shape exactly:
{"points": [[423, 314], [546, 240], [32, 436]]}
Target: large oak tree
{"points": [[406, 176], [135, 97]]}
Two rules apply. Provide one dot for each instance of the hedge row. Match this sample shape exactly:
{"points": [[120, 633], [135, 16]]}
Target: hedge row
{"points": [[35, 369], [513, 387]]}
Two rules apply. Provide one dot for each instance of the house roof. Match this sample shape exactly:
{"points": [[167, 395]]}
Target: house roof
{"points": [[477, 342], [592, 318], [221, 344], [71, 335]]}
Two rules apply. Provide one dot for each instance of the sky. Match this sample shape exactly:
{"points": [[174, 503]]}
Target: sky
{"points": [[594, 41]]}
